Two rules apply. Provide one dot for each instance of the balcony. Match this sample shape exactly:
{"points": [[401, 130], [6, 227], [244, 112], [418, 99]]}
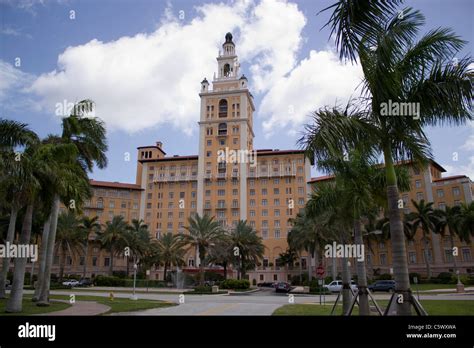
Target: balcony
{"points": [[221, 175], [221, 206]]}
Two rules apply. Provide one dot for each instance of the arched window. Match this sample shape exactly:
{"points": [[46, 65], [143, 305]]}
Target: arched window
{"points": [[222, 129], [223, 108], [226, 70]]}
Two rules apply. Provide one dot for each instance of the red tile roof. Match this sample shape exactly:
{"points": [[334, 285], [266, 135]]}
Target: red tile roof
{"points": [[321, 178], [454, 177], [118, 185]]}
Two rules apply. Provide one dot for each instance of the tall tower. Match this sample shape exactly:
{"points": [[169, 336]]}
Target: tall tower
{"points": [[225, 127]]}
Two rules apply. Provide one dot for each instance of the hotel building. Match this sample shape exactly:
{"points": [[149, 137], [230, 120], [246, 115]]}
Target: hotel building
{"points": [[230, 180]]}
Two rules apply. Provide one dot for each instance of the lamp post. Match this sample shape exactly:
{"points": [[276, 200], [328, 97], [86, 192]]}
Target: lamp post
{"points": [[459, 285], [134, 296]]}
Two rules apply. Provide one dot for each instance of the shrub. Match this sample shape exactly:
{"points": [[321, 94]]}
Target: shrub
{"points": [[109, 281], [120, 274], [445, 277], [213, 276], [413, 275], [295, 280], [384, 276], [235, 284], [203, 289]]}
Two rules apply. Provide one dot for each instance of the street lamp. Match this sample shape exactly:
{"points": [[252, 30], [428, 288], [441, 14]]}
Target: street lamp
{"points": [[135, 266]]}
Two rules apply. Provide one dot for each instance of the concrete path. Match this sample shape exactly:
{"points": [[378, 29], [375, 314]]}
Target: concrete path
{"points": [[81, 308]]}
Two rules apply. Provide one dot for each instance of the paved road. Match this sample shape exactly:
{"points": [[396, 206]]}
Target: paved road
{"points": [[260, 303]]}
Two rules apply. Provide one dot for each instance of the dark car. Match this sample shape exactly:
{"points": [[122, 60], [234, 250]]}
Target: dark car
{"points": [[85, 282], [265, 285], [383, 285], [282, 287]]}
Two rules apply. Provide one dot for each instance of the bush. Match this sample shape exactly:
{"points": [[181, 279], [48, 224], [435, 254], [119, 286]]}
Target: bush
{"points": [[213, 277], [384, 276], [235, 284], [120, 274], [445, 277], [109, 281], [203, 289], [413, 275], [295, 280]]}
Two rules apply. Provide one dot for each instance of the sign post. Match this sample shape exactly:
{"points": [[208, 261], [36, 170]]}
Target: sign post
{"points": [[320, 272]]}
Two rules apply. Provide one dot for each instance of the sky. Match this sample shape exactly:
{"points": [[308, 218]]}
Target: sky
{"points": [[142, 61]]}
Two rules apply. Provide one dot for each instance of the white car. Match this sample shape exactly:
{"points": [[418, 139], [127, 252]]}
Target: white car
{"points": [[71, 283], [336, 286]]}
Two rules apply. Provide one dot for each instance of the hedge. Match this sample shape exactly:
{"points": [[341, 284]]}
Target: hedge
{"points": [[235, 284]]}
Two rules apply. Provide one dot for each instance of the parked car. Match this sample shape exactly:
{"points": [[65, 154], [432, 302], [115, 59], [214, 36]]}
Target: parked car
{"points": [[382, 285], [71, 283], [265, 285], [85, 282], [282, 287], [8, 285], [336, 286]]}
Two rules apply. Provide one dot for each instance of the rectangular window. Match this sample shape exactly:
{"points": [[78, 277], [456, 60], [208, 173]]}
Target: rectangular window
{"points": [[106, 261], [277, 233], [412, 257], [466, 254], [448, 255], [456, 191], [94, 261], [111, 204], [440, 193], [418, 183], [383, 259], [276, 212]]}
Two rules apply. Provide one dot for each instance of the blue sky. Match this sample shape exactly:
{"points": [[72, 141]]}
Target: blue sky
{"points": [[142, 62]]}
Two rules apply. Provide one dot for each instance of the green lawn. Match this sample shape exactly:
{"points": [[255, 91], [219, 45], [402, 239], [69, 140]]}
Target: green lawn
{"points": [[433, 307], [30, 308], [423, 287], [120, 304]]}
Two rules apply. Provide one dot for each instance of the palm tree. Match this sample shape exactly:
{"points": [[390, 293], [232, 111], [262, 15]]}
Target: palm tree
{"points": [[449, 219], [13, 179], [396, 69], [466, 228], [112, 237], [287, 258], [86, 135], [222, 253], [90, 227], [203, 232], [69, 239], [424, 217], [137, 239], [170, 248], [250, 246]]}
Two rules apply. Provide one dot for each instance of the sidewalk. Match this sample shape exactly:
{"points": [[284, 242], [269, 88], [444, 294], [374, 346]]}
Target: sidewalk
{"points": [[124, 289], [80, 308]]}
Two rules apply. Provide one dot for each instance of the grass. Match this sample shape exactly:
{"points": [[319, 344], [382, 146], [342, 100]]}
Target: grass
{"points": [[120, 304], [30, 308], [423, 287], [433, 307]]}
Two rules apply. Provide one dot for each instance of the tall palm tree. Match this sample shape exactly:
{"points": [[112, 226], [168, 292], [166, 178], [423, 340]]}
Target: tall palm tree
{"points": [[87, 136], [250, 246], [221, 253], [12, 178], [89, 227], [170, 248], [466, 228], [69, 239], [449, 219], [203, 233], [137, 239], [112, 237], [396, 68], [424, 217], [287, 258]]}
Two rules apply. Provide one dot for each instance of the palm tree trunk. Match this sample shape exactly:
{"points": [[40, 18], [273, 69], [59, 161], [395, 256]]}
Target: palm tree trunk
{"points": [[15, 302], [86, 256], [42, 264], [165, 270], [62, 261], [225, 270], [334, 268], [310, 267], [43, 299], [9, 240], [301, 269], [399, 256], [451, 240], [427, 261], [346, 283], [361, 272], [111, 265], [201, 266]]}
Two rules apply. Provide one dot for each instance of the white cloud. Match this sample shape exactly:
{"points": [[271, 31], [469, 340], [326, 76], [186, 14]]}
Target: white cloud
{"points": [[462, 169], [151, 79], [13, 84], [319, 80]]}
